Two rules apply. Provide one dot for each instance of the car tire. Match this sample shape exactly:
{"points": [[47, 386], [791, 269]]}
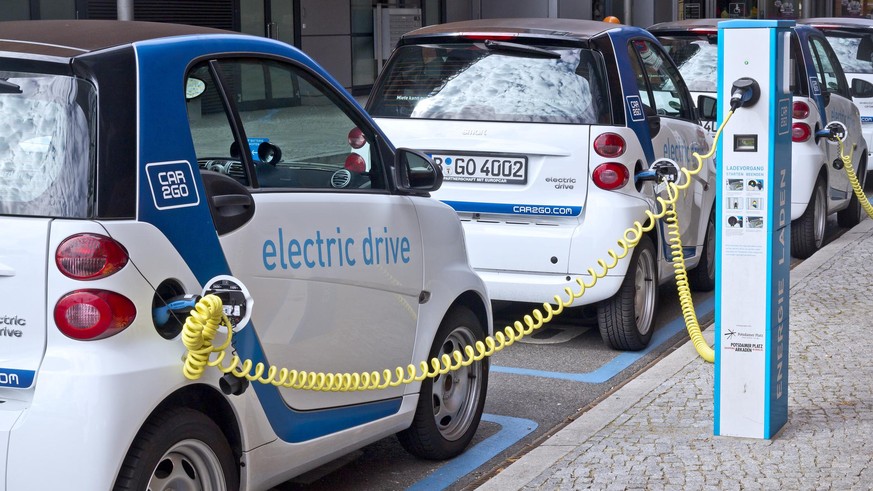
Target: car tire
{"points": [[702, 277], [179, 449], [449, 406], [853, 214], [807, 232], [626, 320]]}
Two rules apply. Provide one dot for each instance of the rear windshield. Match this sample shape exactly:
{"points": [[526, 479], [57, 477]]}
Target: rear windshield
{"points": [[45, 145], [853, 51], [500, 83], [697, 59]]}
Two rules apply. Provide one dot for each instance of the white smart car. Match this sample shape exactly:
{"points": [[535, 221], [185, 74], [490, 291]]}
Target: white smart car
{"points": [[819, 185], [544, 129], [142, 162]]}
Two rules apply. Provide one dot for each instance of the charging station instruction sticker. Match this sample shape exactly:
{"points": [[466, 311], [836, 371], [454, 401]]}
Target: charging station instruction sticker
{"points": [[745, 192]]}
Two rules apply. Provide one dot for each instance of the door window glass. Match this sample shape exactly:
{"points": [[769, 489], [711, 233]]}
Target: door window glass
{"points": [[667, 91], [296, 132], [830, 75]]}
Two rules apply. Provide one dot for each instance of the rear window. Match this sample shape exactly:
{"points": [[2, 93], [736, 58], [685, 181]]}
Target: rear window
{"points": [[853, 51], [697, 60], [45, 145], [500, 83]]}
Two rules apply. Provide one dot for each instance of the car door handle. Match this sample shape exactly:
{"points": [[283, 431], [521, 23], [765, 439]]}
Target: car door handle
{"points": [[228, 200]]}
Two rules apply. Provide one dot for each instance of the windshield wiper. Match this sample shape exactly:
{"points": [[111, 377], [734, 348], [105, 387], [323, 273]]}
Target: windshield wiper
{"points": [[520, 49], [9, 87]]}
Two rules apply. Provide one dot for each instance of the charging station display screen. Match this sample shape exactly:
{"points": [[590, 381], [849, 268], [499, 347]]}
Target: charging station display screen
{"points": [[745, 143]]}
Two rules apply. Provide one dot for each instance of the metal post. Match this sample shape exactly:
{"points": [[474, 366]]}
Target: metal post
{"points": [[628, 13], [125, 9]]}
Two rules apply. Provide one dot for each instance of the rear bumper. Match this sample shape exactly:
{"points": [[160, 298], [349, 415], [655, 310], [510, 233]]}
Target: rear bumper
{"points": [[540, 288]]}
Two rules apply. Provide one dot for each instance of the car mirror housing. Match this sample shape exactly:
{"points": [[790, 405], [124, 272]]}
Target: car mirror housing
{"points": [[415, 172], [862, 88], [707, 107]]}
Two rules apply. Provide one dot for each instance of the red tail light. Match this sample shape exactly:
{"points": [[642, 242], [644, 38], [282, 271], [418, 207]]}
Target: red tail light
{"points": [[609, 145], [93, 314], [800, 110], [356, 138], [800, 132], [610, 176], [356, 163], [90, 256]]}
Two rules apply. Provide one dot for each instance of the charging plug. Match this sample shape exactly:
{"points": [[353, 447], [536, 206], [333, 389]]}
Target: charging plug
{"points": [[180, 305], [745, 93], [833, 131]]}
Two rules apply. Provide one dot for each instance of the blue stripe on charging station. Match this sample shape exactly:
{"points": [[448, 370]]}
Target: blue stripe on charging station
{"points": [[620, 362], [511, 431], [719, 213]]}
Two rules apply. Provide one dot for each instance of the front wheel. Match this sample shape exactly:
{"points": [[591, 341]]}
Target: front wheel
{"points": [[449, 406], [807, 232], [626, 320], [181, 450]]}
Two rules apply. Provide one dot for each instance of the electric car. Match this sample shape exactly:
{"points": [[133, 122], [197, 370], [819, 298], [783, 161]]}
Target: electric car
{"points": [[852, 41], [546, 131], [145, 163], [819, 185]]}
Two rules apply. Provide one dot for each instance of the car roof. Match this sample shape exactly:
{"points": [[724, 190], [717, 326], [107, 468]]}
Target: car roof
{"points": [[839, 22], [535, 27], [68, 38], [684, 25], [707, 24]]}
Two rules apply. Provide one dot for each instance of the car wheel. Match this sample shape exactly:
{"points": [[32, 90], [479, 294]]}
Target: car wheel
{"points": [[852, 215], [626, 320], [180, 449], [449, 406], [807, 232], [702, 277]]}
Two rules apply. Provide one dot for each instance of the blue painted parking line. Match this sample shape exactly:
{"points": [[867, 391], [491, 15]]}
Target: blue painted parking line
{"points": [[511, 431], [620, 362]]}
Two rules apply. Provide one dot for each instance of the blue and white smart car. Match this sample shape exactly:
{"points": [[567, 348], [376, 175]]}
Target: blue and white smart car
{"points": [[542, 127], [141, 162]]}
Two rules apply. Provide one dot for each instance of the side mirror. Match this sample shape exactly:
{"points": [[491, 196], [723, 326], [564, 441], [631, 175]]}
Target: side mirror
{"points": [[415, 172], [707, 107], [862, 89]]}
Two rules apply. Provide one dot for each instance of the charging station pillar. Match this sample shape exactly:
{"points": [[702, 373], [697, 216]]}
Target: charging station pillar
{"points": [[753, 218]]}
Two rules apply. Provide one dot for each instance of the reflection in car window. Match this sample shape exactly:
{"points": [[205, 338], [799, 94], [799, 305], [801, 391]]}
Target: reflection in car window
{"points": [[666, 86], [472, 82], [829, 73], [846, 49], [697, 59], [286, 114], [46, 136]]}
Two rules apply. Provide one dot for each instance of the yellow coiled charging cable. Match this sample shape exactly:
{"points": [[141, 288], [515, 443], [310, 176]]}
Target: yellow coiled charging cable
{"points": [[853, 179], [205, 320]]}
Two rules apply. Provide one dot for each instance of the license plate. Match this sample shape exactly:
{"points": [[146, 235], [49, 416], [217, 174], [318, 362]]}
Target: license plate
{"points": [[482, 168]]}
